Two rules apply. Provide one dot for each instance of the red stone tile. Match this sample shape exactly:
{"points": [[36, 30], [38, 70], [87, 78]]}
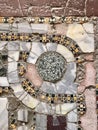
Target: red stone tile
{"points": [[44, 7], [90, 7], [60, 126], [90, 74], [28, 3], [89, 57], [51, 3], [89, 78], [57, 3], [37, 11], [58, 12], [96, 7], [89, 120], [33, 77], [71, 12], [10, 8], [96, 98], [77, 5]]}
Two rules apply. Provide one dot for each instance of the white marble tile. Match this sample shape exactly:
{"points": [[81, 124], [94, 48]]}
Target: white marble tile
{"points": [[22, 128], [3, 44], [25, 46], [41, 121], [88, 27], [48, 87], [12, 66], [66, 53], [3, 114], [30, 101], [40, 128], [40, 28], [5, 27], [45, 108], [71, 126], [83, 35], [4, 82], [14, 27], [18, 90], [13, 56], [13, 73], [13, 45], [72, 116], [24, 27], [23, 115], [65, 108], [38, 48], [32, 58], [13, 77], [51, 46]]}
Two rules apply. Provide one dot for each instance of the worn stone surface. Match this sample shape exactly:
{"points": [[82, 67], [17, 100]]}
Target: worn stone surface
{"points": [[89, 120], [96, 52], [33, 75], [3, 114], [89, 79], [48, 7], [83, 35]]}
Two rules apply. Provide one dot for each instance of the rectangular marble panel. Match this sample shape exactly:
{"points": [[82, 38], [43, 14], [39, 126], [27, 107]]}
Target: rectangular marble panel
{"points": [[3, 114]]}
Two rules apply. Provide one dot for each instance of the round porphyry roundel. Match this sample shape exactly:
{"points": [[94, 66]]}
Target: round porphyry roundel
{"points": [[51, 66]]}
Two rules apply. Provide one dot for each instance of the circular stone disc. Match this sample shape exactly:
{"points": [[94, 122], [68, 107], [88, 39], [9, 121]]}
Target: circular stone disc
{"points": [[51, 66]]}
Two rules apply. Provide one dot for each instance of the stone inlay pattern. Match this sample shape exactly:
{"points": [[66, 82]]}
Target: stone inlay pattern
{"points": [[51, 66], [63, 102]]}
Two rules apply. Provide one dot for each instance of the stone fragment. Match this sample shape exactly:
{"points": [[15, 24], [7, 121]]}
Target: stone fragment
{"points": [[65, 108], [30, 101], [25, 46], [41, 122], [82, 37], [13, 46], [12, 72], [76, 5], [13, 56], [33, 75], [89, 79], [72, 116], [24, 127], [23, 115], [4, 82], [71, 126], [3, 114], [66, 53], [51, 46], [56, 122], [89, 120], [43, 8]]}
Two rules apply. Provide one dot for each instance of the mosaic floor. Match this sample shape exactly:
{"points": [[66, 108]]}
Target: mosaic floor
{"points": [[48, 73]]}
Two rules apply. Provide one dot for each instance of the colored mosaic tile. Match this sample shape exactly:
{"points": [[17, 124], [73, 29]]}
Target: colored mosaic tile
{"points": [[49, 78]]}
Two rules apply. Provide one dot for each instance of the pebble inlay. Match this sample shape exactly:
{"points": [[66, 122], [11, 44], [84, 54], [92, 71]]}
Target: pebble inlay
{"points": [[51, 66]]}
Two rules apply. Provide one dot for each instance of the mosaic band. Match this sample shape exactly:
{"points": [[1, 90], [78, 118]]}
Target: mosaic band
{"points": [[49, 20], [44, 38]]}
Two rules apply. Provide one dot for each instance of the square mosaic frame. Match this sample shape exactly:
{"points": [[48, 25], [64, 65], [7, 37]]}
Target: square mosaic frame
{"points": [[74, 39]]}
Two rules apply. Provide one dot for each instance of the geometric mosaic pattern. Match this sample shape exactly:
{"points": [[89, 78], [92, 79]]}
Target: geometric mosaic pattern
{"points": [[47, 74]]}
